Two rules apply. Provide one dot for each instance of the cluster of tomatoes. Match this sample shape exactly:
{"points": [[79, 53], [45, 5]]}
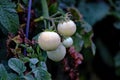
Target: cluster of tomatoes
{"points": [[54, 44]]}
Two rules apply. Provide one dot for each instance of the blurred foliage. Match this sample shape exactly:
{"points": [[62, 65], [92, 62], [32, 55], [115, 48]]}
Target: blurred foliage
{"points": [[86, 14], [93, 12]]}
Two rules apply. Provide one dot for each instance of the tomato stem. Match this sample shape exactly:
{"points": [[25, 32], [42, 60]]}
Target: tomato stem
{"points": [[39, 19], [45, 13]]}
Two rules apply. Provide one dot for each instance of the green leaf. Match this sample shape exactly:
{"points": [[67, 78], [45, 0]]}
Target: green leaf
{"points": [[3, 48], [68, 2], [77, 16], [25, 2], [3, 72], [33, 63], [41, 74], [88, 55], [117, 60], [93, 12], [117, 71], [87, 39], [16, 65], [29, 49], [105, 54], [93, 47], [34, 60], [36, 37], [44, 55], [116, 14], [43, 65], [29, 77], [87, 27], [53, 8], [117, 25], [38, 49], [12, 76], [78, 42], [8, 16], [24, 59], [117, 63]]}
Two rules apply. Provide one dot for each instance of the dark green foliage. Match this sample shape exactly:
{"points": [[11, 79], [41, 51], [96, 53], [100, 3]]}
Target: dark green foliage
{"points": [[86, 15], [9, 21], [93, 12], [18, 66]]}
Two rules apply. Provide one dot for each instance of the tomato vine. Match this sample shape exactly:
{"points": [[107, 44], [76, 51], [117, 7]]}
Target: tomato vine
{"points": [[41, 37]]}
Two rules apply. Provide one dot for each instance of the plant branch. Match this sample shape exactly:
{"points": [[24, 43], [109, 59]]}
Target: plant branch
{"points": [[28, 18], [45, 12], [28, 22]]}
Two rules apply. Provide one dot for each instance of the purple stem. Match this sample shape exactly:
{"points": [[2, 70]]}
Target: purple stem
{"points": [[28, 22], [28, 18]]}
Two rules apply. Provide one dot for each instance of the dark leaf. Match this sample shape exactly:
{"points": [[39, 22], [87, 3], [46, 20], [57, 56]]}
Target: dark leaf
{"points": [[12, 76], [93, 12], [2, 48], [3, 72], [117, 71], [87, 39], [8, 16], [105, 54], [117, 25], [69, 2], [117, 60], [53, 8], [75, 13], [86, 27], [25, 2], [36, 37], [78, 42]]}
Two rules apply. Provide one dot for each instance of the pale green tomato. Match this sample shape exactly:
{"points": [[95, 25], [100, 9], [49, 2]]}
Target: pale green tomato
{"points": [[49, 40], [58, 54], [68, 42], [67, 28]]}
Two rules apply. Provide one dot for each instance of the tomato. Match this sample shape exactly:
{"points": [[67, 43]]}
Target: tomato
{"points": [[49, 40], [67, 28], [58, 54], [68, 42]]}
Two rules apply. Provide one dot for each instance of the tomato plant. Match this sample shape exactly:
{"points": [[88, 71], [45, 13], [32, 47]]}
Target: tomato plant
{"points": [[35, 32]]}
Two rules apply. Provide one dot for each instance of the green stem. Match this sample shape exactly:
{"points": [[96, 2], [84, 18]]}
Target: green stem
{"points": [[39, 19], [115, 14], [45, 11], [44, 8]]}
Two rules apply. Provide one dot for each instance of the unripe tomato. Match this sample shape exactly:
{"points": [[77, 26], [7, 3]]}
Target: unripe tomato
{"points": [[58, 54], [67, 28], [68, 42], [49, 40]]}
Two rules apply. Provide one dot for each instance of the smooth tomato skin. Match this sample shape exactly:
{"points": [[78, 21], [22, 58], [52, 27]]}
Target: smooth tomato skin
{"points": [[49, 40], [68, 42], [67, 28], [58, 54]]}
